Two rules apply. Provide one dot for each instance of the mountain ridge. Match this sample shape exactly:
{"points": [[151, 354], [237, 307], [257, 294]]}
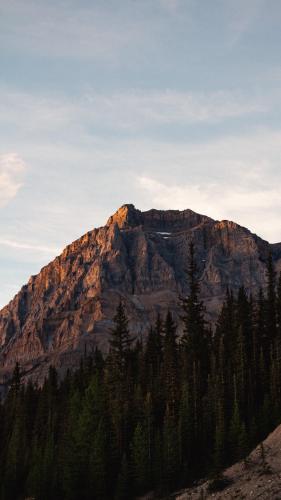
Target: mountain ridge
{"points": [[139, 257]]}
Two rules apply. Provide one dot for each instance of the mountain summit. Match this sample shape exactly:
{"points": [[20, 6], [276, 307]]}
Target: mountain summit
{"points": [[138, 256], [156, 220]]}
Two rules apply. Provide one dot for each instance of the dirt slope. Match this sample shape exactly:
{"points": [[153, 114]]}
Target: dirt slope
{"points": [[258, 478]]}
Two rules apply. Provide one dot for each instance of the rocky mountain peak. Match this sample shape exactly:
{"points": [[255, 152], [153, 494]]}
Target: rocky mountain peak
{"points": [[139, 256], [128, 216]]}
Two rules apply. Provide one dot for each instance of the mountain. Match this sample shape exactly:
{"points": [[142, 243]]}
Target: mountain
{"points": [[257, 477], [140, 257]]}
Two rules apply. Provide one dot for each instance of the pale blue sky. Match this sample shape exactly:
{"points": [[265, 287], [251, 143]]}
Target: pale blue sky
{"points": [[161, 103]]}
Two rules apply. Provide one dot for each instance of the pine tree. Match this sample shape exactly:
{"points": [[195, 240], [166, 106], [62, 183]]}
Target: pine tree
{"points": [[193, 312], [140, 458], [16, 380], [158, 462], [170, 365], [118, 376], [98, 466], [48, 470], [240, 369], [15, 456], [170, 452], [123, 486], [270, 303], [120, 340], [74, 456], [220, 426], [153, 350], [278, 313], [185, 430], [244, 320], [224, 348], [237, 432]]}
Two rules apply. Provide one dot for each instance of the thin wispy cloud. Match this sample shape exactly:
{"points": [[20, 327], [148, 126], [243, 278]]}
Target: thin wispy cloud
{"points": [[29, 246], [66, 29], [31, 113], [243, 16], [116, 34], [210, 198], [171, 5], [134, 109], [239, 203], [12, 168], [138, 108]]}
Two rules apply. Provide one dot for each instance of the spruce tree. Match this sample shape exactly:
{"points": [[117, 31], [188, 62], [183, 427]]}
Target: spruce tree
{"points": [[118, 377], [185, 430], [278, 311], [98, 463], [120, 340], [270, 303], [140, 458], [170, 365], [170, 452], [193, 311], [123, 486]]}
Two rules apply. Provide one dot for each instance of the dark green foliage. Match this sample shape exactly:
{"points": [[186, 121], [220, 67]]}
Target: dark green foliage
{"points": [[123, 481], [170, 366], [194, 336], [120, 340], [271, 300], [170, 452], [140, 458], [153, 416]]}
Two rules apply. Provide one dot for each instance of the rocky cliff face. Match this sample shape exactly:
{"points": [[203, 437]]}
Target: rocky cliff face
{"points": [[138, 256]]}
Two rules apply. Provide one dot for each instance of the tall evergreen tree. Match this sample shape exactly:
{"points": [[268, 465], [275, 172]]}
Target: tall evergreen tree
{"points": [[170, 365], [194, 338], [120, 340], [140, 458], [118, 377], [270, 303]]}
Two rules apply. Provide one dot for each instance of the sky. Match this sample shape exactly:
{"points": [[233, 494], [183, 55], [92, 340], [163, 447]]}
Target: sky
{"points": [[160, 103]]}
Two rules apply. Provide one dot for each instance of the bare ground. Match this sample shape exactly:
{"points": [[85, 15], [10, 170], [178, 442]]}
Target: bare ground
{"points": [[259, 477]]}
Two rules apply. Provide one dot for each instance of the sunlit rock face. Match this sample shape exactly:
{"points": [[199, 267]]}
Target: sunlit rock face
{"points": [[140, 257]]}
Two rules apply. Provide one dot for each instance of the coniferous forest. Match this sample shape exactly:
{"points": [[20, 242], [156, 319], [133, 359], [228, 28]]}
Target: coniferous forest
{"points": [[152, 416]]}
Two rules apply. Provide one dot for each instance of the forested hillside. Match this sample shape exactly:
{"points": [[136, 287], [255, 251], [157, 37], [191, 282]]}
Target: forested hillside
{"points": [[151, 416]]}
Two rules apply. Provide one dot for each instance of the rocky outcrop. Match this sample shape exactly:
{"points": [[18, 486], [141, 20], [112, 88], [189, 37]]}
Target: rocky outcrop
{"points": [[140, 257], [259, 476]]}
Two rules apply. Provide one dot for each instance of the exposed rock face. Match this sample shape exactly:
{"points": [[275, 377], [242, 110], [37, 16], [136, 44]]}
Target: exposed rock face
{"points": [[138, 256]]}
